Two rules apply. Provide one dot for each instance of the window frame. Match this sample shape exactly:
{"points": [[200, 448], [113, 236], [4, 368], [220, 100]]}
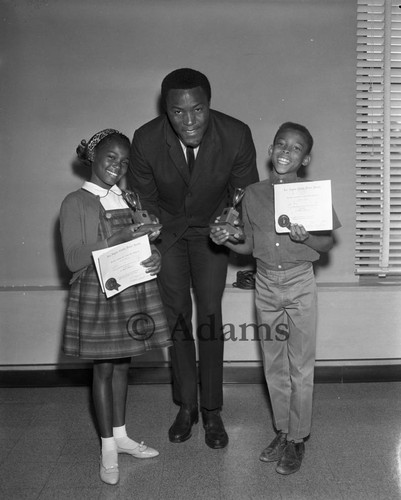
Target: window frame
{"points": [[378, 138]]}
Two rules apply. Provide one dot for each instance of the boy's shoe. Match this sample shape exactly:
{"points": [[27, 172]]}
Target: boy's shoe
{"points": [[291, 459], [275, 449]]}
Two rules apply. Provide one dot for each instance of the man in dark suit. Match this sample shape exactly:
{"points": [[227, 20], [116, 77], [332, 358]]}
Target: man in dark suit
{"points": [[183, 165]]}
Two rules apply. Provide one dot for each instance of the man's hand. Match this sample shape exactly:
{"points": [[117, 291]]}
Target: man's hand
{"points": [[219, 235], [153, 263]]}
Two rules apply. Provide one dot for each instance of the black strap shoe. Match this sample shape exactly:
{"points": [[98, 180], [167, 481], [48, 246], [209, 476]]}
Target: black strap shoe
{"points": [[180, 431], [215, 434]]}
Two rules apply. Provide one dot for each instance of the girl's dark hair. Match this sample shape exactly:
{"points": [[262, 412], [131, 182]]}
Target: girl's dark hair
{"points": [[185, 78], [85, 150], [299, 128]]}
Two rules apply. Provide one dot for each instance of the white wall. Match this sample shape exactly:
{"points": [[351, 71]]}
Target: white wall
{"points": [[356, 324], [69, 68]]}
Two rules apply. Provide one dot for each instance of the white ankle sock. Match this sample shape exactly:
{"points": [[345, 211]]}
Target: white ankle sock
{"points": [[109, 452], [119, 432], [122, 440]]}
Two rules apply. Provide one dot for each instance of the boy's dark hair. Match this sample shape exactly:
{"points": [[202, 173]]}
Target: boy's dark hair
{"points": [[299, 128], [185, 78]]}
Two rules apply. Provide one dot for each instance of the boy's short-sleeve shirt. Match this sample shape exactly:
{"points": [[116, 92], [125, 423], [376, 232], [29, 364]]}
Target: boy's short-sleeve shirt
{"points": [[273, 250]]}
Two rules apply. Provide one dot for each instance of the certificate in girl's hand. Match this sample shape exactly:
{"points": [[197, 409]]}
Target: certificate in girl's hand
{"points": [[306, 203], [119, 267]]}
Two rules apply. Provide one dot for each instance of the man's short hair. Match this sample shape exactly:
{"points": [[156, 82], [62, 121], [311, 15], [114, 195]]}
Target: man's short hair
{"points": [[185, 78], [299, 128]]}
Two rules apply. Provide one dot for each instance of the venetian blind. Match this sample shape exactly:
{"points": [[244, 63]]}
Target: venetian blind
{"points": [[378, 160]]}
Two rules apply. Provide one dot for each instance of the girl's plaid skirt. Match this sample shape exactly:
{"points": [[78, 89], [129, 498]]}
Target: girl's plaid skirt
{"points": [[127, 324]]}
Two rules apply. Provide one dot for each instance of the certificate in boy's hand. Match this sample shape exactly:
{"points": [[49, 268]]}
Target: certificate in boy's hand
{"points": [[306, 203]]}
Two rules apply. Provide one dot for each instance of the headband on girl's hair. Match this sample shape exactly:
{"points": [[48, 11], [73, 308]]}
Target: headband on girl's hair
{"points": [[94, 141]]}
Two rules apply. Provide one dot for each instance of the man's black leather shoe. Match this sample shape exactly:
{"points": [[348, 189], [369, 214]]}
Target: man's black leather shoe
{"points": [[180, 431], [215, 434]]}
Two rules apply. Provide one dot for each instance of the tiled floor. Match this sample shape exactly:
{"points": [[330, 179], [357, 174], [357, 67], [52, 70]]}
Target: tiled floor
{"points": [[49, 448]]}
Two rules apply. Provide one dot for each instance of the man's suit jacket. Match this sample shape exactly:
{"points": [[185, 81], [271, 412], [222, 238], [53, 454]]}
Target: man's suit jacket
{"points": [[159, 172]]}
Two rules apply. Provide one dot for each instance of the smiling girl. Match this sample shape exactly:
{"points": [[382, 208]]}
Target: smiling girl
{"points": [[99, 328]]}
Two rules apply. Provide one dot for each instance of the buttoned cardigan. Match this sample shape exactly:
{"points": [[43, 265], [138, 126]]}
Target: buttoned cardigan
{"points": [[79, 226]]}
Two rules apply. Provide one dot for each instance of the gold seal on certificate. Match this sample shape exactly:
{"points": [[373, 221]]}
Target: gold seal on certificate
{"points": [[230, 215], [284, 221], [139, 216], [111, 284]]}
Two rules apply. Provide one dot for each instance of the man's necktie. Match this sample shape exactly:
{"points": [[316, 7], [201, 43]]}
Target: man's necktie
{"points": [[190, 158]]}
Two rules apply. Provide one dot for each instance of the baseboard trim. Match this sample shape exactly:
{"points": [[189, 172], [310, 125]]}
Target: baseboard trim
{"points": [[65, 377]]}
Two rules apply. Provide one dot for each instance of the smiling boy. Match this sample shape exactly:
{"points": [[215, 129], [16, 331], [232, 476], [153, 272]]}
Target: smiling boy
{"points": [[286, 298]]}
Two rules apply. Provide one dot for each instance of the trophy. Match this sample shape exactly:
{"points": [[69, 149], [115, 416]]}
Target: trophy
{"points": [[146, 223], [230, 215]]}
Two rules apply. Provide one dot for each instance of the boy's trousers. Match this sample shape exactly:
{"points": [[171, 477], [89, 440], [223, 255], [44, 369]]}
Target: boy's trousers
{"points": [[286, 305]]}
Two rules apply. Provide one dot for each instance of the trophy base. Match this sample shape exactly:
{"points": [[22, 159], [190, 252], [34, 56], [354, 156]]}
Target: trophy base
{"points": [[148, 228], [232, 230]]}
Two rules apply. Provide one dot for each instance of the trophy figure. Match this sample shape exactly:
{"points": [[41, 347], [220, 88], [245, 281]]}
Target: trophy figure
{"points": [[230, 215], [146, 223]]}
